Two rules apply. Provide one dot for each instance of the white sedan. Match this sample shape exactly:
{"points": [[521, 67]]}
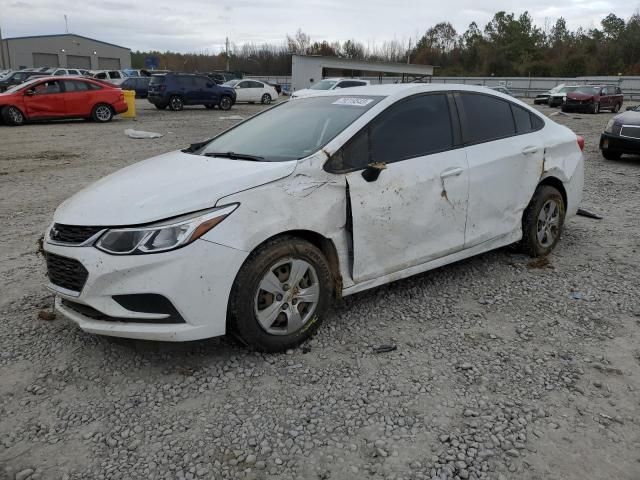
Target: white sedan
{"points": [[253, 91], [254, 234]]}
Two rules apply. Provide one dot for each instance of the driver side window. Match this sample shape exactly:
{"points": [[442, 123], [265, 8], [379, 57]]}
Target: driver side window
{"points": [[47, 88], [415, 127]]}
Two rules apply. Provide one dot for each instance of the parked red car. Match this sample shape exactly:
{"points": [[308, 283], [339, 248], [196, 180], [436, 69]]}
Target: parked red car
{"points": [[593, 98], [50, 98]]}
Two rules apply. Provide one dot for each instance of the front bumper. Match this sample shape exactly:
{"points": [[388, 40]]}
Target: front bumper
{"points": [[578, 107], [196, 279], [614, 143]]}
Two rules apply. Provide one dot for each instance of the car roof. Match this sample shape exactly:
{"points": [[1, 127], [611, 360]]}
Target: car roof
{"points": [[398, 89]]}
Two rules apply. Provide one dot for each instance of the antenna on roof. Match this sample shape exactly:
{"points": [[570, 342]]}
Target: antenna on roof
{"points": [[66, 25]]}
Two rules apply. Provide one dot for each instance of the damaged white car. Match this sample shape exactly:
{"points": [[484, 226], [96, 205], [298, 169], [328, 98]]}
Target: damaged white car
{"points": [[253, 233]]}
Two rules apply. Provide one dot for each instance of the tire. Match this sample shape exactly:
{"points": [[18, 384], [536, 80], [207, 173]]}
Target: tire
{"points": [[176, 103], [225, 103], [609, 155], [539, 236], [271, 265], [13, 116], [266, 99], [160, 107], [102, 113], [617, 107]]}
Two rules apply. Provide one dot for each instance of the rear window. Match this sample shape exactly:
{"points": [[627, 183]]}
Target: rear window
{"points": [[486, 118]]}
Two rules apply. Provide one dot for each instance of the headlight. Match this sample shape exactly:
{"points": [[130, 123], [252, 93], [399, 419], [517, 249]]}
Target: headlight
{"points": [[564, 99], [609, 127], [160, 237]]}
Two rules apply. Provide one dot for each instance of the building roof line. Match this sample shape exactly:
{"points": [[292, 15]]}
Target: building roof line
{"points": [[66, 35]]}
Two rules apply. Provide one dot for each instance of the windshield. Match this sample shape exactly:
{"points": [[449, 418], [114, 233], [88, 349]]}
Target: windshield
{"points": [[324, 85], [15, 88], [309, 124], [231, 83], [587, 90], [567, 89]]}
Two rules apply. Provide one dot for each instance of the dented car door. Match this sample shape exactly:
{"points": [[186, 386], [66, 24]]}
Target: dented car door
{"points": [[505, 152], [407, 187]]}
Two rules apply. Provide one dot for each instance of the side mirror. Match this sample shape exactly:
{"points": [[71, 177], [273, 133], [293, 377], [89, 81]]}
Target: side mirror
{"points": [[237, 87], [30, 93], [372, 172]]}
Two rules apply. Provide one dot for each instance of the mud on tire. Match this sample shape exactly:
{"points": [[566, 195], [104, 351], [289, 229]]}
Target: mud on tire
{"points": [[248, 299], [542, 222]]}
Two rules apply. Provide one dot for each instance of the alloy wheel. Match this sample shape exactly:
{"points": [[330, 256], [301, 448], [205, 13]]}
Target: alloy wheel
{"points": [[548, 225], [287, 296], [16, 115], [225, 103], [103, 113]]}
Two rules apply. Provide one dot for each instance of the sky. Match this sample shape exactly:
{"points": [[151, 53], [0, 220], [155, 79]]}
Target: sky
{"points": [[201, 26]]}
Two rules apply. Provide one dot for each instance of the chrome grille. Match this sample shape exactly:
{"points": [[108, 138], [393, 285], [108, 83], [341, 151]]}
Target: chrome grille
{"points": [[631, 131], [72, 234]]}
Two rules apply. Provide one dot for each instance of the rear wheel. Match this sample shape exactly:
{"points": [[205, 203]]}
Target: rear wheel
{"points": [[280, 295], [225, 103], [542, 221], [102, 113], [176, 103], [266, 99], [609, 155], [13, 116]]}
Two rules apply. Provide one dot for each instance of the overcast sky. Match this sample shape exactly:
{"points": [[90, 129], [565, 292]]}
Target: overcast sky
{"points": [[199, 25]]}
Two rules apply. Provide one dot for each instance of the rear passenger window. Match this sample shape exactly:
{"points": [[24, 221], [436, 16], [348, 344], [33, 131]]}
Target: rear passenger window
{"points": [[412, 128], [75, 86], [522, 119], [486, 118]]}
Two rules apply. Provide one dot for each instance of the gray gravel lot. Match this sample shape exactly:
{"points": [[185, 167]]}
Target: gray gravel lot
{"points": [[504, 368]]}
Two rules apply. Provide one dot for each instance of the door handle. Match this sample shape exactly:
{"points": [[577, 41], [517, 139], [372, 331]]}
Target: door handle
{"points": [[451, 172], [529, 150]]}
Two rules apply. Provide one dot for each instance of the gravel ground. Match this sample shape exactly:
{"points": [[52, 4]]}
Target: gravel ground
{"points": [[504, 368]]}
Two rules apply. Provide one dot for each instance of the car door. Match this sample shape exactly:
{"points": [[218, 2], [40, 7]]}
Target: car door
{"points": [[77, 98], [243, 91], [415, 210], [505, 153], [45, 100], [204, 90]]}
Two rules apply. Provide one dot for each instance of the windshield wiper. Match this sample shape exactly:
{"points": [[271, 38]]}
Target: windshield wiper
{"points": [[234, 156]]}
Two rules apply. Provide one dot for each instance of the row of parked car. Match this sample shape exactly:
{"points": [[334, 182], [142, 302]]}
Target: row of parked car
{"points": [[583, 98]]}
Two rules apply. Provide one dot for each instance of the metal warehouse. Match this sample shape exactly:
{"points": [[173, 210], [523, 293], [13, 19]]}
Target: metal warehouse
{"points": [[65, 50]]}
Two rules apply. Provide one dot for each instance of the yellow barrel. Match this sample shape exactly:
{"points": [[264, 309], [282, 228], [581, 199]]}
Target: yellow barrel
{"points": [[130, 98]]}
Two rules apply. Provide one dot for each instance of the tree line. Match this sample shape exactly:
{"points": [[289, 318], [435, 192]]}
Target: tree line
{"points": [[508, 45]]}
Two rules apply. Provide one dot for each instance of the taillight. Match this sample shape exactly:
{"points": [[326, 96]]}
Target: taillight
{"points": [[580, 140]]}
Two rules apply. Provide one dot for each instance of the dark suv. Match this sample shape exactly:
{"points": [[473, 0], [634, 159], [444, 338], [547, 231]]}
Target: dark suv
{"points": [[16, 78], [175, 90], [593, 98]]}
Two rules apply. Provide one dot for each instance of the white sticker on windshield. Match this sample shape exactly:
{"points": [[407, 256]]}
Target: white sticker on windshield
{"points": [[353, 101]]}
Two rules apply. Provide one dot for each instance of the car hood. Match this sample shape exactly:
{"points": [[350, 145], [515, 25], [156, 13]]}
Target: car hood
{"points": [[165, 186], [579, 96], [628, 118], [307, 92]]}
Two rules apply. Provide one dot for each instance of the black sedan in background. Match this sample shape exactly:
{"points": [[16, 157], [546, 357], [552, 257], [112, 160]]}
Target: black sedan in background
{"points": [[139, 84], [621, 135], [16, 78]]}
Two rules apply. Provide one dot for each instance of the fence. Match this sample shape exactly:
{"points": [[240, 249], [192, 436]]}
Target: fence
{"points": [[527, 87]]}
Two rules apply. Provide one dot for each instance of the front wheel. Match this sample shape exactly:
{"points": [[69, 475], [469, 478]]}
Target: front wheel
{"points": [[102, 113], [280, 295], [175, 103], [13, 116], [225, 103], [542, 221], [266, 99]]}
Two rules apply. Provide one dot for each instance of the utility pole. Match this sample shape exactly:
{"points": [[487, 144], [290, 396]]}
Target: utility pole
{"points": [[409, 52], [4, 65], [66, 24], [226, 49]]}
